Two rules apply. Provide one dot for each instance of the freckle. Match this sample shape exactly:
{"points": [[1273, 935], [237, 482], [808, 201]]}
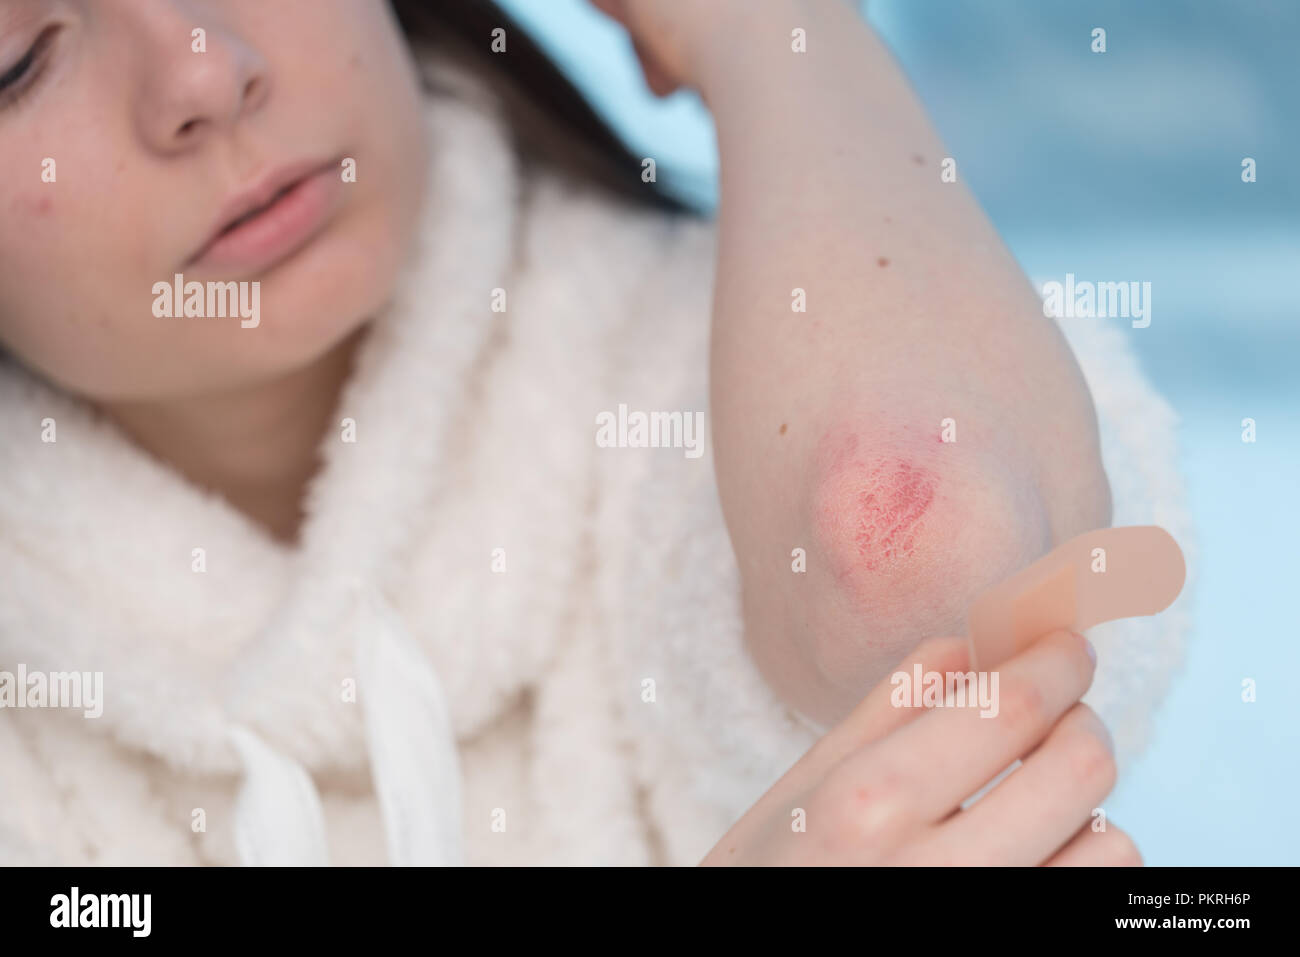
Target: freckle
{"points": [[355, 62], [882, 262], [783, 428], [918, 159]]}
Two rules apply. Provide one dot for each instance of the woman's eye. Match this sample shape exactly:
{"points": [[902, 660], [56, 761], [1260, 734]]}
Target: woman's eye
{"points": [[14, 75], [16, 72]]}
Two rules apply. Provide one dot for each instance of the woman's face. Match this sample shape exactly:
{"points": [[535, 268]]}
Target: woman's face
{"points": [[128, 142]]}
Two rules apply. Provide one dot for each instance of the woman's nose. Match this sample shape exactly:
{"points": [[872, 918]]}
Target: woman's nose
{"points": [[195, 80]]}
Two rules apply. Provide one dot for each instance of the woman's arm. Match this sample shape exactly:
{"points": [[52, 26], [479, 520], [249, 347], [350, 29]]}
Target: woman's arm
{"points": [[829, 423]]}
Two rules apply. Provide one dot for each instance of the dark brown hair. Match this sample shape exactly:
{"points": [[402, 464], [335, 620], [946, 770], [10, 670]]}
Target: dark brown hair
{"points": [[551, 119]]}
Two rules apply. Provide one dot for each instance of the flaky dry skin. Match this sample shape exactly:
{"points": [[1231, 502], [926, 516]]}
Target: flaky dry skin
{"points": [[872, 510]]}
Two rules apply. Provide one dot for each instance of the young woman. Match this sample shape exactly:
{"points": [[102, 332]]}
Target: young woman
{"points": [[378, 567]]}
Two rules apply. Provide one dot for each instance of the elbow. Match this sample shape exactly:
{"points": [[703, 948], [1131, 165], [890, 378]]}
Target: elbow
{"points": [[904, 535]]}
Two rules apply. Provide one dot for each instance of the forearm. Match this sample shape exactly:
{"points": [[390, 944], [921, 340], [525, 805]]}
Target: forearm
{"points": [[829, 169], [915, 313]]}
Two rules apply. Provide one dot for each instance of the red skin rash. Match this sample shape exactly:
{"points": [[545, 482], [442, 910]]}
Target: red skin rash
{"points": [[34, 204], [872, 508]]}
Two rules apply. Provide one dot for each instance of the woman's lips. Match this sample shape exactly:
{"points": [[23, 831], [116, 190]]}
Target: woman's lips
{"points": [[276, 230]]}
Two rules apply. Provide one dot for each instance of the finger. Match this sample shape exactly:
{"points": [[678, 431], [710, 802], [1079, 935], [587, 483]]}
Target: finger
{"points": [[614, 9], [874, 717], [1034, 812], [947, 754], [656, 77], [1089, 848]]}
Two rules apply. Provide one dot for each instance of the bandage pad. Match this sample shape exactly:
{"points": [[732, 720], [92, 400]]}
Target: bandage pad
{"points": [[1067, 589]]}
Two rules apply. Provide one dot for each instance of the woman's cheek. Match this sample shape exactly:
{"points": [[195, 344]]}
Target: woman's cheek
{"points": [[65, 285], [28, 259], [31, 207]]}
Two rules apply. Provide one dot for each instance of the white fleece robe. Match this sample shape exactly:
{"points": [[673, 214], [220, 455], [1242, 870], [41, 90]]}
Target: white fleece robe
{"points": [[529, 583]]}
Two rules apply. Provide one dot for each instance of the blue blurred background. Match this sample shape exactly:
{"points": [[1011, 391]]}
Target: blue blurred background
{"points": [[1124, 165]]}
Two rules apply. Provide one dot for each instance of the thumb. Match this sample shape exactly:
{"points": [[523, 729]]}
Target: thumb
{"points": [[659, 80]]}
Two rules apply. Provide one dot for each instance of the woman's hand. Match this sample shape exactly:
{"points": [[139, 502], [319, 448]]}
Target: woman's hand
{"points": [[670, 35], [886, 785]]}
